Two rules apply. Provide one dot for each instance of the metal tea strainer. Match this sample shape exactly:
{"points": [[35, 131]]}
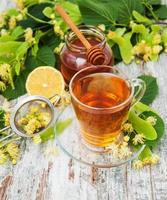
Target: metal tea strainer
{"points": [[22, 108]]}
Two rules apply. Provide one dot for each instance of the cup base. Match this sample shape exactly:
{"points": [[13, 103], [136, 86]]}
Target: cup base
{"points": [[104, 149]]}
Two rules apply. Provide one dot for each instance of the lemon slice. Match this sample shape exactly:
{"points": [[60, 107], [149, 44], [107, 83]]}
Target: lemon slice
{"points": [[45, 81]]}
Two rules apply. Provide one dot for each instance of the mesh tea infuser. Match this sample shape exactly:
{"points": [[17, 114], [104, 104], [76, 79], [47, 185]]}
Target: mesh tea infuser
{"points": [[22, 108]]}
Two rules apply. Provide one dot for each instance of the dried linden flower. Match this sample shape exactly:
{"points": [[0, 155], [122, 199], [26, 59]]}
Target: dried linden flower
{"points": [[14, 161], [121, 151], [5, 70], [12, 22], [58, 49], [35, 119], [58, 30], [20, 4], [124, 152], [127, 127], [152, 120], [19, 17], [138, 164], [138, 139], [146, 57], [155, 159], [2, 19], [3, 32], [126, 138], [32, 126], [156, 49], [142, 49], [156, 39], [124, 144], [114, 150], [2, 86], [29, 36], [13, 150], [23, 121], [36, 139], [5, 106], [43, 105], [102, 27], [65, 100], [7, 119], [3, 157]]}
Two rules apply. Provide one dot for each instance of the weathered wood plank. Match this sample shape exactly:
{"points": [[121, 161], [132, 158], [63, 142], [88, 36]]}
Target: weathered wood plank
{"points": [[7, 181], [138, 184], [159, 172]]}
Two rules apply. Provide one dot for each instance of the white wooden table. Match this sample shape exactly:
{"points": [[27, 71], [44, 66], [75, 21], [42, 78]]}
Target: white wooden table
{"points": [[38, 176]]}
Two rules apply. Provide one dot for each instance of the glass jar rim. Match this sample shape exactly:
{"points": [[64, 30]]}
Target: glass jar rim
{"points": [[114, 108], [93, 30]]}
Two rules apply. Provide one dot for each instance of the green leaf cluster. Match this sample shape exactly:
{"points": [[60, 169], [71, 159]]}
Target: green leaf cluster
{"points": [[151, 89], [2, 112], [22, 55], [111, 13], [108, 12], [138, 118]]}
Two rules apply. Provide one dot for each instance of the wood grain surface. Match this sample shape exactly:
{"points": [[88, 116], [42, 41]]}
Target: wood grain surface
{"points": [[40, 176]]}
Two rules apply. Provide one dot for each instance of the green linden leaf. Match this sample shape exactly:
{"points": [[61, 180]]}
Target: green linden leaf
{"points": [[12, 12], [125, 9], [17, 32], [140, 108], [48, 12], [141, 126], [159, 127], [73, 11], [95, 12], [151, 89], [125, 46], [140, 18], [116, 53], [48, 134], [45, 56], [109, 11], [9, 47], [17, 68], [146, 153], [37, 12], [2, 112], [19, 90], [162, 12], [62, 125], [153, 2]]}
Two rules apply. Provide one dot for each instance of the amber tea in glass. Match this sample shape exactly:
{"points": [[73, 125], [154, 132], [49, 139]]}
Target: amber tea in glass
{"points": [[101, 97]]}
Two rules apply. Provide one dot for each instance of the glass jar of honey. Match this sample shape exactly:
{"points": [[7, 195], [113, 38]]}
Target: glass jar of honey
{"points": [[73, 55]]}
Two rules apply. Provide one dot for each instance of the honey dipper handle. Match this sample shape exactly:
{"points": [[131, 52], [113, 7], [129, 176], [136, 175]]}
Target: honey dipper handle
{"points": [[74, 28]]}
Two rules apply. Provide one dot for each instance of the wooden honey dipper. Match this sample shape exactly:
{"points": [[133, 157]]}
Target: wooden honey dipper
{"points": [[95, 54]]}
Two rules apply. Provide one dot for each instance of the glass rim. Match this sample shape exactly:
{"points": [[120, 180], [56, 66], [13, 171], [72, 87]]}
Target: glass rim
{"points": [[96, 108], [89, 28]]}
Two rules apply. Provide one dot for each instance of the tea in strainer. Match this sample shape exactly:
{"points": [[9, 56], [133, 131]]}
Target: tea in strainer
{"points": [[31, 116]]}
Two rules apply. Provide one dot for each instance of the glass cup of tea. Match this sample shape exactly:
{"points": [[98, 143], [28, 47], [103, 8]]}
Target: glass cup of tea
{"points": [[101, 98]]}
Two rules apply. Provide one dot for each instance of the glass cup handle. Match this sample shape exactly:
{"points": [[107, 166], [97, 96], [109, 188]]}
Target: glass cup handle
{"points": [[139, 90]]}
